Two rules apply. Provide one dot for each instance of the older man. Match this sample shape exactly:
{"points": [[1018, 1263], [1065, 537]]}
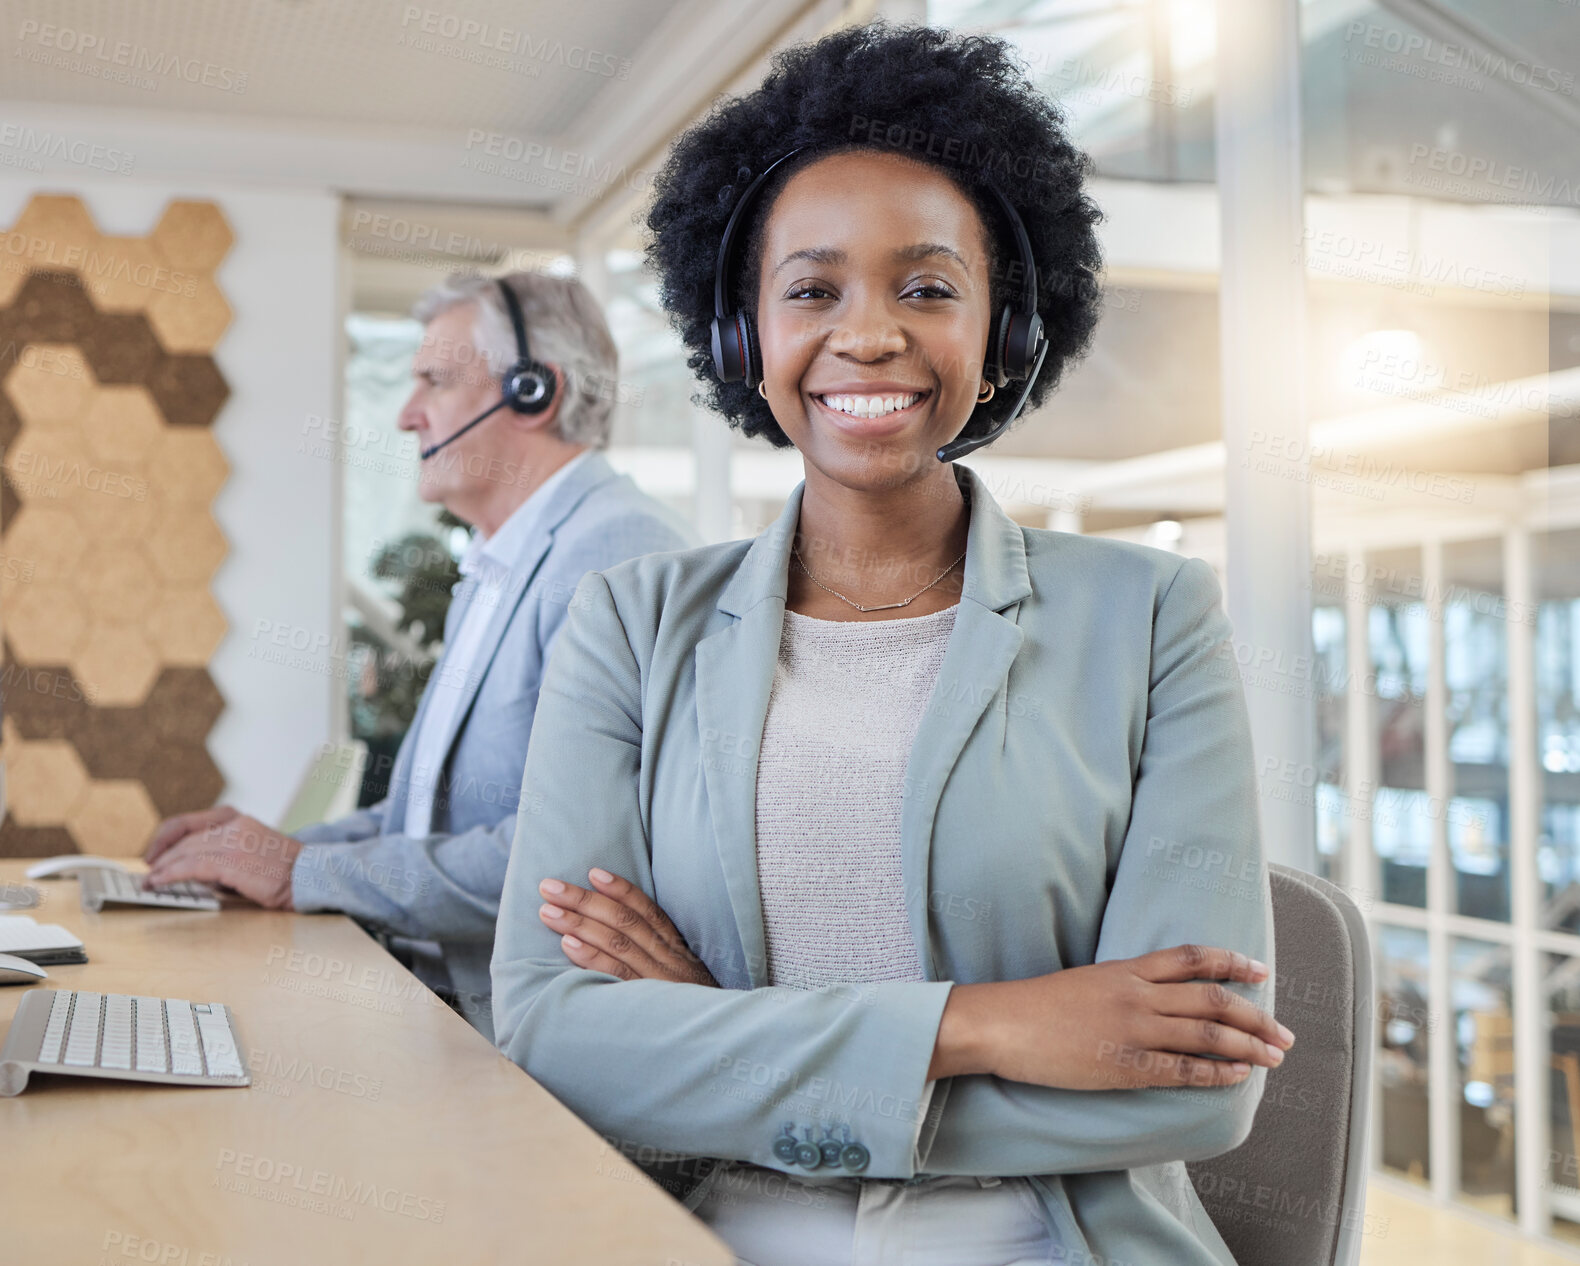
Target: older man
{"points": [[511, 403]]}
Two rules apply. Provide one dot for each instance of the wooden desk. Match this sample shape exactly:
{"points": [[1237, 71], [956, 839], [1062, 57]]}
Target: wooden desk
{"points": [[380, 1127]]}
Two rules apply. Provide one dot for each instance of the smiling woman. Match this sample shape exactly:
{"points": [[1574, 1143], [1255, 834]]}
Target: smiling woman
{"points": [[890, 918]]}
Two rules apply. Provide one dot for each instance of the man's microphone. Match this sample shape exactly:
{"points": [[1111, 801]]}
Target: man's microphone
{"points": [[426, 453]]}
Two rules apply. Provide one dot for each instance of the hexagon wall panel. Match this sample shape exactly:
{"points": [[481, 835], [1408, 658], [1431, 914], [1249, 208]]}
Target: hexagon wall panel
{"points": [[108, 471]]}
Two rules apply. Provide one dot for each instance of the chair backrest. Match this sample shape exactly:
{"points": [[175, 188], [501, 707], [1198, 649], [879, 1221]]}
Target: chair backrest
{"points": [[1294, 1193], [329, 788]]}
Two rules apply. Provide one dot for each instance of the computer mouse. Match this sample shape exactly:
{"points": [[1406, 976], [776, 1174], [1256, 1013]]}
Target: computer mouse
{"points": [[18, 971], [71, 865]]}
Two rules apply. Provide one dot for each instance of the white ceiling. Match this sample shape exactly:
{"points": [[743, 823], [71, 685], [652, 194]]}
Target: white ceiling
{"points": [[390, 99], [351, 61]]}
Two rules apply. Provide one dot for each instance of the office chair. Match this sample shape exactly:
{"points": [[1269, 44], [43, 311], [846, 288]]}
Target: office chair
{"points": [[1294, 1193]]}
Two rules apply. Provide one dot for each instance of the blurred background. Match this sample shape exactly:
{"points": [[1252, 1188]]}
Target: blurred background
{"points": [[215, 562]]}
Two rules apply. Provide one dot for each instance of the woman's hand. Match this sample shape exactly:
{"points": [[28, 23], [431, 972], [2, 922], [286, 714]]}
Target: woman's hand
{"points": [[1132, 1022], [619, 929]]}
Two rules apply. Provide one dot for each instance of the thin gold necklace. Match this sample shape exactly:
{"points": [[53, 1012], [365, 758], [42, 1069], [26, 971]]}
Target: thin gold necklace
{"points": [[887, 606]]}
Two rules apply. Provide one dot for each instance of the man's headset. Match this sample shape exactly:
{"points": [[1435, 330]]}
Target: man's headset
{"points": [[1016, 346], [527, 386]]}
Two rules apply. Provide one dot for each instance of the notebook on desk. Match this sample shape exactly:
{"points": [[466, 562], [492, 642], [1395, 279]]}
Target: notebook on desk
{"points": [[47, 944]]}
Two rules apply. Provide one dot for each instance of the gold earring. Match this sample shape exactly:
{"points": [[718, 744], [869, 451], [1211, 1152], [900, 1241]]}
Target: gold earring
{"points": [[986, 393], [762, 390]]}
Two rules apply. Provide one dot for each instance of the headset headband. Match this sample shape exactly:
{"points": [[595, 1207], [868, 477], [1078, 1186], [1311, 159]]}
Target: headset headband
{"points": [[517, 321]]}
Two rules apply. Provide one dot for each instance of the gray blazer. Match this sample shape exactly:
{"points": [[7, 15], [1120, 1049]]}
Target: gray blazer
{"points": [[1081, 789], [444, 887]]}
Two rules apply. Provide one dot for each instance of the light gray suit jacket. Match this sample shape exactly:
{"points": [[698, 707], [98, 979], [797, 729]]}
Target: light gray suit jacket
{"points": [[1081, 789], [444, 887]]}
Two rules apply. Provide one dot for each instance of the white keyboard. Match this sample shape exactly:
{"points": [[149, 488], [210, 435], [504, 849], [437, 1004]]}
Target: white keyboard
{"points": [[102, 887], [118, 1035]]}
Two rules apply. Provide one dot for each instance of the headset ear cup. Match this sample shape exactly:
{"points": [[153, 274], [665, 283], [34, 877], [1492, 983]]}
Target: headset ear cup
{"points": [[723, 337], [994, 367], [1022, 343], [529, 387], [752, 366]]}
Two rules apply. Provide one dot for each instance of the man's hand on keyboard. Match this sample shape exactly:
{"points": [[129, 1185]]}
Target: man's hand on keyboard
{"points": [[239, 852], [174, 830]]}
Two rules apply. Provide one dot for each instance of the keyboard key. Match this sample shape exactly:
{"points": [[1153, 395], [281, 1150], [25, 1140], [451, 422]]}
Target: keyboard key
{"points": [[116, 1051], [82, 1042], [55, 1027], [186, 1056], [219, 1047], [151, 1036]]}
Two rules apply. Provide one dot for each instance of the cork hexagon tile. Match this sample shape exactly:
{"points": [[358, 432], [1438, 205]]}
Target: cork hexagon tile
{"points": [[54, 308], [50, 383], [179, 776], [45, 623], [186, 544], [183, 705], [114, 583], [192, 236], [45, 782], [186, 625], [45, 465], [116, 663], [192, 319], [122, 427], [121, 348], [113, 819], [188, 389], [58, 231], [187, 466], [46, 536], [113, 742], [47, 703], [126, 274]]}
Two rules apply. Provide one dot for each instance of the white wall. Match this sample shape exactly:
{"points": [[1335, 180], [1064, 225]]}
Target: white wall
{"points": [[280, 507]]}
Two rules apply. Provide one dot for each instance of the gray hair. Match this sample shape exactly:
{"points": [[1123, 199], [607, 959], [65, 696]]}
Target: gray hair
{"points": [[565, 328]]}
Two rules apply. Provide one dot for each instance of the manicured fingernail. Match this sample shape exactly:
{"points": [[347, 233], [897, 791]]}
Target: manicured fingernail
{"points": [[601, 875], [552, 886], [550, 912], [1286, 1035], [1258, 965], [1273, 1053], [1240, 1067], [570, 940]]}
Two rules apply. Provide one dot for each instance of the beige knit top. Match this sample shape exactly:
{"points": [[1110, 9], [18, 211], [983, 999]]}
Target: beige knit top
{"points": [[846, 701]]}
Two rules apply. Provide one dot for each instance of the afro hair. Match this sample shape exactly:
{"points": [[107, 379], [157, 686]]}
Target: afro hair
{"points": [[963, 103]]}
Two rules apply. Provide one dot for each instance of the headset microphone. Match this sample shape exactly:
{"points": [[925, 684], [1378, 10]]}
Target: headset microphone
{"points": [[526, 387], [426, 453], [959, 448]]}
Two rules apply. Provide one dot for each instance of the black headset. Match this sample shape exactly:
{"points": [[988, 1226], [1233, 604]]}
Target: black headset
{"points": [[1016, 345], [526, 387]]}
